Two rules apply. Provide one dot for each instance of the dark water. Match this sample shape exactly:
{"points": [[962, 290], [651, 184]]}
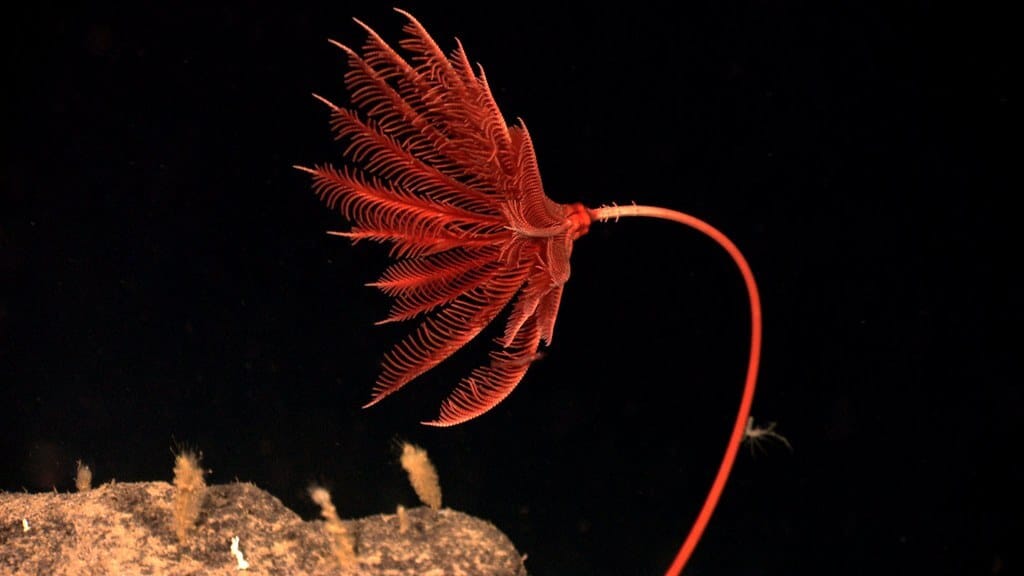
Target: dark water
{"points": [[167, 282]]}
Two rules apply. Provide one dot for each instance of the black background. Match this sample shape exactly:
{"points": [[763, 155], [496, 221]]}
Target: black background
{"points": [[167, 282]]}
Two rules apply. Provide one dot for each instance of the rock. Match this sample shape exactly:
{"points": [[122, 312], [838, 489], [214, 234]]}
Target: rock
{"points": [[126, 528]]}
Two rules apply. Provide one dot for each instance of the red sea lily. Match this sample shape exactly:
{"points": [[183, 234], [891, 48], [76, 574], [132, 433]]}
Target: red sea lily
{"points": [[435, 172]]}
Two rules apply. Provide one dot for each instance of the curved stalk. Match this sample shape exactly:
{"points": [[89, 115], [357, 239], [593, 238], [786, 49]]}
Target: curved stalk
{"points": [[739, 427]]}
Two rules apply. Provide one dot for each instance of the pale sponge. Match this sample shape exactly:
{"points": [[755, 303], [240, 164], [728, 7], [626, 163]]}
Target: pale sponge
{"points": [[422, 475], [342, 543], [83, 477], [189, 491]]}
